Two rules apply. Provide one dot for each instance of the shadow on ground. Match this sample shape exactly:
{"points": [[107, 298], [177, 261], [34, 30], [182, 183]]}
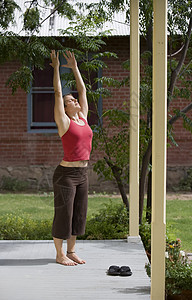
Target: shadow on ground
{"points": [[26, 262], [140, 290]]}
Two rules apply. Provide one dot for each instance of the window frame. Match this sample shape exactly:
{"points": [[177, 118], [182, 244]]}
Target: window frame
{"points": [[39, 90]]}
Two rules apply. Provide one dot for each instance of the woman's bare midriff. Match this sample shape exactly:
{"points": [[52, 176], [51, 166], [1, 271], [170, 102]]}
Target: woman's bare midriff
{"points": [[80, 163]]}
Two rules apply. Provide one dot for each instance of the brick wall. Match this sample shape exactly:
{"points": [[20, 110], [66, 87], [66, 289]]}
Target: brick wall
{"points": [[181, 155], [121, 47], [19, 148]]}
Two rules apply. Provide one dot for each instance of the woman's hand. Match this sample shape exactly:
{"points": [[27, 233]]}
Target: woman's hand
{"points": [[71, 61], [55, 59]]}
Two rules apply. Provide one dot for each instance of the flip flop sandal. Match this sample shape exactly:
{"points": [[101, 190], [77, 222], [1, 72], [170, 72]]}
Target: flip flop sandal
{"points": [[125, 271], [113, 270]]}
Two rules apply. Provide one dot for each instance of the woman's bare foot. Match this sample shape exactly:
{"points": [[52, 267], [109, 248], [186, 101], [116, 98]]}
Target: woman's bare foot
{"points": [[73, 256], [64, 260]]}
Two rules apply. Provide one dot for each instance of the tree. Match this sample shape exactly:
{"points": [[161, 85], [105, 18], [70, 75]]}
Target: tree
{"points": [[90, 63], [179, 69], [32, 50]]}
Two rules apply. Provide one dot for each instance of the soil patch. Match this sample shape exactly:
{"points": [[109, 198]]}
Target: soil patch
{"points": [[180, 196], [169, 196]]}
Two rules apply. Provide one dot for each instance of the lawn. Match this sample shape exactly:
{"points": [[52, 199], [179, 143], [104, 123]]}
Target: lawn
{"points": [[179, 214], [40, 207]]}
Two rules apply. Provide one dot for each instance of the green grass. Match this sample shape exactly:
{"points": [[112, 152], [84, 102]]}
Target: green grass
{"points": [[40, 207], [179, 215]]}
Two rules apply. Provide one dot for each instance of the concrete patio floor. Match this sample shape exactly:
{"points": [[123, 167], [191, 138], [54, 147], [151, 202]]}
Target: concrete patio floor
{"points": [[28, 271]]}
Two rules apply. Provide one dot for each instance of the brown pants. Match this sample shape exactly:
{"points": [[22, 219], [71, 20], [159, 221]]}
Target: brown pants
{"points": [[70, 186]]}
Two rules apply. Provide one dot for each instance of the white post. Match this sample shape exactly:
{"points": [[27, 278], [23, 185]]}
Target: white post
{"points": [[159, 138], [134, 123]]}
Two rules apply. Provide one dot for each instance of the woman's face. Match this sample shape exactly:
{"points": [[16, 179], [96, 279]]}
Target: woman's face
{"points": [[71, 103]]}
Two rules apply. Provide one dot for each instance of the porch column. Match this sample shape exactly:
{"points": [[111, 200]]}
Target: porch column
{"points": [[134, 123], [159, 138]]}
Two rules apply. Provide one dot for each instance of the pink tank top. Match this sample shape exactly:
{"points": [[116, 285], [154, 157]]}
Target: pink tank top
{"points": [[77, 142]]}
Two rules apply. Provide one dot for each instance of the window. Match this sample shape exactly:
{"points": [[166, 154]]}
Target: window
{"points": [[41, 101]]}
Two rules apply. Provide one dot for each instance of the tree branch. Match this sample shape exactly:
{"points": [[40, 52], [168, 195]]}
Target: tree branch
{"points": [[184, 110], [177, 70], [117, 174], [177, 52]]}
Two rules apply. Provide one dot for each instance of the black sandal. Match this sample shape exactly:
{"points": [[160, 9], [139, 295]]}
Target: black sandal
{"points": [[113, 271], [125, 271]]}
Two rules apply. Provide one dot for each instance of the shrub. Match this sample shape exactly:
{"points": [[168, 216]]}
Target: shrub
{"points": [[145, 233], [13, 227], [110, 223], [13, 184], [186, 183], [178, 271]]}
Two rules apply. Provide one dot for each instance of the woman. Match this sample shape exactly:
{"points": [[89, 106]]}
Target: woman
{"points": [[70, 177]]}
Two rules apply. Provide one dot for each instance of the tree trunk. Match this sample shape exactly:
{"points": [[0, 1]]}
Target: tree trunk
{"points": [[147, 155], [177, 70], [117, 174], [142, 180], [149, 190]]}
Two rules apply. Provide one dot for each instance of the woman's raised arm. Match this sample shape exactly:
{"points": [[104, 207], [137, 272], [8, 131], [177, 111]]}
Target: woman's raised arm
{"points": [[59, 110], [71, 63]]}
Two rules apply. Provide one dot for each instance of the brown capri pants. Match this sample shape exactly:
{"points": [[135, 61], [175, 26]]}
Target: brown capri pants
{"points": [[70, 186]]}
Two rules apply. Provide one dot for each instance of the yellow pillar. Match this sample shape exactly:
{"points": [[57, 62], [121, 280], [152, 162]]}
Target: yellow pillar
{"points": [[159, 137], [134, 123]]}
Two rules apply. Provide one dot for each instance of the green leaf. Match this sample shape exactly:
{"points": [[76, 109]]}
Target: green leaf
{"points": [[7, 9], [21, 78], [105, 54], [110, 82], [31, 19]]}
